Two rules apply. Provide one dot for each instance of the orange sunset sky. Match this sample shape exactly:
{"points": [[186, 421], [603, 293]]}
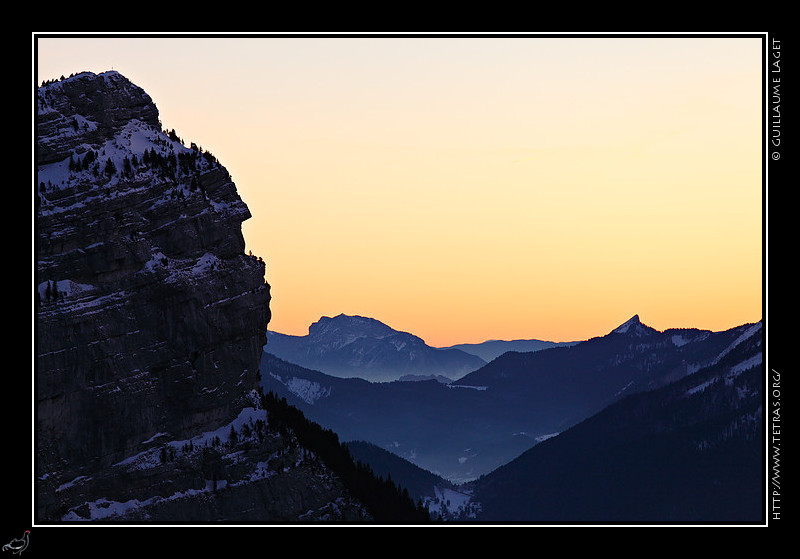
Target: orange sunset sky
{"points": [[466, 189]]}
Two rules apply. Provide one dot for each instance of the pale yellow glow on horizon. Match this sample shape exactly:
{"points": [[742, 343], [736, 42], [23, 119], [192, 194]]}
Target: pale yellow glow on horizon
{"points": [[473, 189]]}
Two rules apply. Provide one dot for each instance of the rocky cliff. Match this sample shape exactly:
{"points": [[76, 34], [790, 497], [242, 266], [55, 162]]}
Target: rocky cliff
{"points": [[150, 323]]}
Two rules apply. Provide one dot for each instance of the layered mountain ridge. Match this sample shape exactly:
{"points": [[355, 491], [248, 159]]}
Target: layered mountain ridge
{"points": [[486, 418], [492, 349], [596, 372]]}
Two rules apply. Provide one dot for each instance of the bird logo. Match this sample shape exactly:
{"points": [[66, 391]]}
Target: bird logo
{"points": [[18, 545]]}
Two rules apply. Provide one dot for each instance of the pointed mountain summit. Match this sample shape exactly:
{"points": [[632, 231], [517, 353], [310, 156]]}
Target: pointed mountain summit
{"points": [[634, 327]]}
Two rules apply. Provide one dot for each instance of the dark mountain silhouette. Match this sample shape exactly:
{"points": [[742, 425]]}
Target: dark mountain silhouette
{"points": [[443, 500], [421, 484], [690, 451], [357, 346], [567, 384], [492, 349]]}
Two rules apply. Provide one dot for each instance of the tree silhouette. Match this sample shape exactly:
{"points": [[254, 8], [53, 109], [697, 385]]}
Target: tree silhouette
{"points": [[386, 502], [110, 169]]}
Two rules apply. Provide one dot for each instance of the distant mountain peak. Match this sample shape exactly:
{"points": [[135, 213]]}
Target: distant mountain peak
{"points": [[352, 345], [622, 328], [633, 326], [349, 326], [350, 319]]}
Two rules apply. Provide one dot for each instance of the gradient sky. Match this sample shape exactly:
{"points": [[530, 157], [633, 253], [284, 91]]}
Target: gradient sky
{"points": [[466, 189]]}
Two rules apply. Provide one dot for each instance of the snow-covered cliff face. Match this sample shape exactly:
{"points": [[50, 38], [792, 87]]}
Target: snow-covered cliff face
{"points": [[151, 318]]}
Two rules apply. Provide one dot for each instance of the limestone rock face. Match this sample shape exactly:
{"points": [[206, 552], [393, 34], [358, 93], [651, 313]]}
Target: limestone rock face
{"points": [[109, 100], [150, 318]]}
